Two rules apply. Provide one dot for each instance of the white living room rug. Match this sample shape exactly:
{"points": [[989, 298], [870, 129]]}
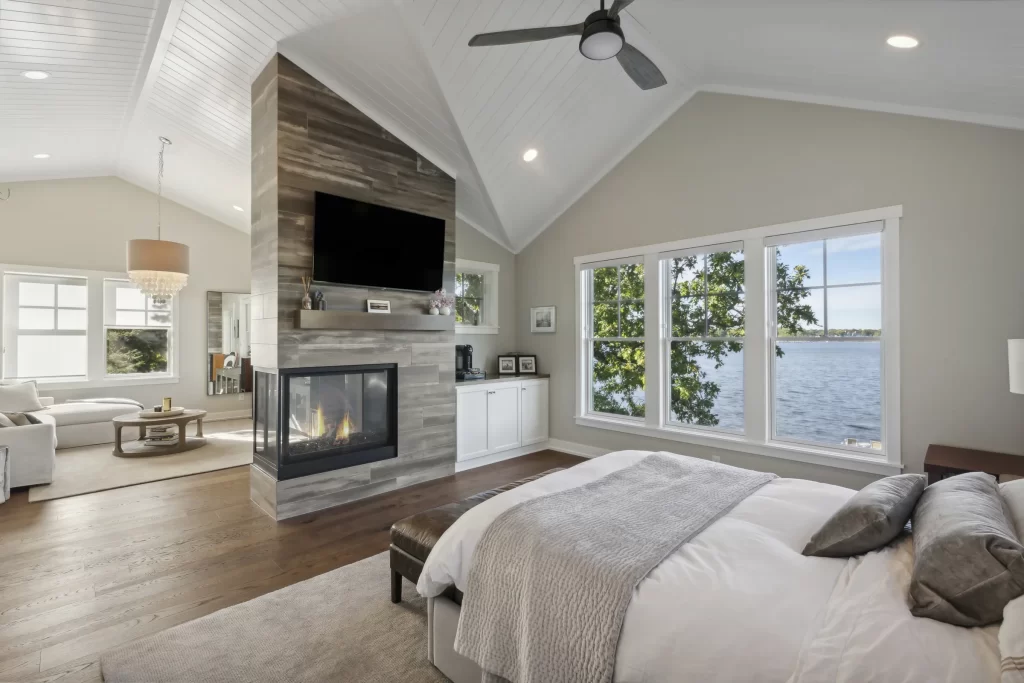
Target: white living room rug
{"points": [[96, 468]]}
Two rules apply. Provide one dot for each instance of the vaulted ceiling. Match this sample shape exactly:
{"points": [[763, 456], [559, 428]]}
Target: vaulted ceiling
{"points": [[124, 72]]}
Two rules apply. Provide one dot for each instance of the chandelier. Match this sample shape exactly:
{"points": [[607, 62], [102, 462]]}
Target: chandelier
{"points": [[157, 267]]}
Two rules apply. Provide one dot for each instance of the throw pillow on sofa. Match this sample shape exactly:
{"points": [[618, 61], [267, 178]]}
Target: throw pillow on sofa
{"points": [[19, 398]]}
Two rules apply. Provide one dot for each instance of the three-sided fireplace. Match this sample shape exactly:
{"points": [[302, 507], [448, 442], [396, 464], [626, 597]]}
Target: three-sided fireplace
{"points": [[309, 420]]}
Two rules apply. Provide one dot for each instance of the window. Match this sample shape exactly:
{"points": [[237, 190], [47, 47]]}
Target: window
{"points": [[615, 339], [705, 343], [780, 341], [137, 330], [476, 297], [827, 360], [45, 327]]}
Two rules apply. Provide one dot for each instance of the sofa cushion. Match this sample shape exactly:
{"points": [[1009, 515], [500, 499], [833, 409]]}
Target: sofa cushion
{"points": [[19, 398], [87, 413]]}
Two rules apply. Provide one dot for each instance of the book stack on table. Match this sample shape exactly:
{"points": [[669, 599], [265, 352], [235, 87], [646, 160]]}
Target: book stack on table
{"points": [[163, 435]]}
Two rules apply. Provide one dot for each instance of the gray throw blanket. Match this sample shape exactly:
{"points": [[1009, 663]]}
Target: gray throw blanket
{"points": [[552, 577]]}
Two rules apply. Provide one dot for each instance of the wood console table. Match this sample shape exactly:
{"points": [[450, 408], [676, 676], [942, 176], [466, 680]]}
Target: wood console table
{"points": [[946, 461]]}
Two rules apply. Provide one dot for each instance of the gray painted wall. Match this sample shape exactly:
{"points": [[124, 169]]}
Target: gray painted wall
{"points": [[472, 244], [726, 162], [85, 223]]}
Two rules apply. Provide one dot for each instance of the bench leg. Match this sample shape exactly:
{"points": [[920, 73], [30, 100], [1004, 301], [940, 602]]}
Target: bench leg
{"points": [[396, 586]]}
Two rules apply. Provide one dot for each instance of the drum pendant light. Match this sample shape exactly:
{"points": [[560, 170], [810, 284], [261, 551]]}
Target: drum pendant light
{"points": [[159, 268]]}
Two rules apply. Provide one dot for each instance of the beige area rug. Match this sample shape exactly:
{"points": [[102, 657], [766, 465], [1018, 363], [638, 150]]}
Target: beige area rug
{"points": [[339, 626], [96, 468]]}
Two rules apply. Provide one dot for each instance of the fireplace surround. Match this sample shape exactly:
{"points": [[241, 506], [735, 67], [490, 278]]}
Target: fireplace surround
{"points": [[312, 420]]}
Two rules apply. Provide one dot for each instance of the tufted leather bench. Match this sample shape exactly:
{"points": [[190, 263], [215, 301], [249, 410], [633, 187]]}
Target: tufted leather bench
{"points": [[414, 537]]}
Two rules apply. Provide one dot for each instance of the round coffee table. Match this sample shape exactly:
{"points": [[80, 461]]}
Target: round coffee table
{"points": [[139, 448]]}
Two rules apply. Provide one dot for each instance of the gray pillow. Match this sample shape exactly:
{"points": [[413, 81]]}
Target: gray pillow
{"points": [[968, 560], [871, 519], [18, 419], [6, 421]]}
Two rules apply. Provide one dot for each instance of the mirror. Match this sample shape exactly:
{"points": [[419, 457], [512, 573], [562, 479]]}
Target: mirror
{"points": [[228, 362]]}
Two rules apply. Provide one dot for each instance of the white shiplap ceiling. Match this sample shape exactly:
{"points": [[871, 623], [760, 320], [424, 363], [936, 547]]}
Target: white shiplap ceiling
{"points": [[126, 71]]}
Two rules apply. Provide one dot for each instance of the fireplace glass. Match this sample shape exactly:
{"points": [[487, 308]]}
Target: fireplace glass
{"points": [[346, 411]]}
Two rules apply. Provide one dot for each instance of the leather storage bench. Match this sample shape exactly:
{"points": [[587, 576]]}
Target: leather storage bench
{"points": [[414, 537]]}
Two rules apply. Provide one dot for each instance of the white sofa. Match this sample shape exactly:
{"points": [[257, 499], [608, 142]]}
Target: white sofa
{"points": [[32, 448]]}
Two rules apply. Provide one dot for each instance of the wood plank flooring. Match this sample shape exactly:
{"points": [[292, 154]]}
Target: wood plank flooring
{"points": [[84, 574]]}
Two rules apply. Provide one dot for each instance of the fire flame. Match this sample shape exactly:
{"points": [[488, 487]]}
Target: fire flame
{"points": [[318, 426], [344, 428]]}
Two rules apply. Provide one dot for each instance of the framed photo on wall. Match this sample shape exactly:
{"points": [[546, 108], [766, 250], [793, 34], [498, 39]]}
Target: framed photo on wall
{"points": [[527, 365], [506, 365], [542, 319]]}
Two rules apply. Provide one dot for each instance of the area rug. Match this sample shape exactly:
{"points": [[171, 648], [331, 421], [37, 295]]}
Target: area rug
{"points": [[339, 626], [96, 468]]}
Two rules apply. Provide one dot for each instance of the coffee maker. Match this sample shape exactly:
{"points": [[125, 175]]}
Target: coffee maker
{"points": [[464, 369]]}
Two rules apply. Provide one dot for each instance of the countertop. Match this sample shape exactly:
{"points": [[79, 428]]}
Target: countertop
{"points": [[492, 378]]}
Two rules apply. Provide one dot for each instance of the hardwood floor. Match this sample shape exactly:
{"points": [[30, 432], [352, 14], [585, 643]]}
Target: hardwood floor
{"points": [[84, 574]]}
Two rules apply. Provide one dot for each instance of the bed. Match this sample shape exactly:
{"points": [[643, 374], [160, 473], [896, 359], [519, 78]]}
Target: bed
{"points": [[739, 602]]}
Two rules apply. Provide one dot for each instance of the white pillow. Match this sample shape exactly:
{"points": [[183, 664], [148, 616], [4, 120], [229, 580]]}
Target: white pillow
{"points": [[1011, 642], [19, 398], [1013, 494]]}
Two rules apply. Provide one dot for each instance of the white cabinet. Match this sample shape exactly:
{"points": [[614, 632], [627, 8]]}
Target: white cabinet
{"points": [[533, 412], [471, 419], [501, 416]]}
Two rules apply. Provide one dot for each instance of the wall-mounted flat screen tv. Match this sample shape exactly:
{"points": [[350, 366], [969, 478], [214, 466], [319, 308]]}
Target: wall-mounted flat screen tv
{"points": [[367, 245]]}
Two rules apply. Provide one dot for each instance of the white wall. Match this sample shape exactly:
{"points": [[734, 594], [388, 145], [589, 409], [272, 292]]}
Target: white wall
{"points": [[472, 244], [85, 223], [725, 163]]}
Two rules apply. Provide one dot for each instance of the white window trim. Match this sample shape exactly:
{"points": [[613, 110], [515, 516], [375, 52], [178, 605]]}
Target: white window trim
{"points": [[757, 438], [95, 335], [490, 272]]}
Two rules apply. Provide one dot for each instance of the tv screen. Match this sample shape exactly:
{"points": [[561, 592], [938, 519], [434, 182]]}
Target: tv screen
{"points": [[355, 243]]}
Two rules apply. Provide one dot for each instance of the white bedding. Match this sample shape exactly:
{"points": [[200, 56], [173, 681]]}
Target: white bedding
{"points": [[740, 603]]}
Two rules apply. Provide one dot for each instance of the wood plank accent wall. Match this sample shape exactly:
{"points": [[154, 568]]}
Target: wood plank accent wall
{"points": [[323, 143]]}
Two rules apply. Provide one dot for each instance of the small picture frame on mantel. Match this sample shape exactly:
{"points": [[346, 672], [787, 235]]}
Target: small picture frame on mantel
{"points": [[378, 306], [527, 365], [506, 365]]}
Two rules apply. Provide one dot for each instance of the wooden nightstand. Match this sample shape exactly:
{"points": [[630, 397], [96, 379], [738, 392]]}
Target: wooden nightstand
{"points": [[945, 461]]}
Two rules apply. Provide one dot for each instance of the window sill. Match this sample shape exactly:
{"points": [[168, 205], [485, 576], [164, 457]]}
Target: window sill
{"points": [[106, 383], [805, 454], [476, 329]]}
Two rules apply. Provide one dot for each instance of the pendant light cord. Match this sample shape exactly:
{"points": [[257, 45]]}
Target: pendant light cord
{"points": [[160, 185]]}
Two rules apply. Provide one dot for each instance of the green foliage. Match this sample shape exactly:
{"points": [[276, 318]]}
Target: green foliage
{"points": [[132, 352], [707, 302], [469, 296]]}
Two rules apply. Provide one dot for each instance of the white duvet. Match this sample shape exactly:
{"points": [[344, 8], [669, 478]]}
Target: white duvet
{"points": [[740, 603]]}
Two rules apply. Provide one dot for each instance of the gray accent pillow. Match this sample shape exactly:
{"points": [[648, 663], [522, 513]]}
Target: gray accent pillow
{"points": [[968, 560], [1013, 494], [18, 419], [6, 421], [871, 519]]}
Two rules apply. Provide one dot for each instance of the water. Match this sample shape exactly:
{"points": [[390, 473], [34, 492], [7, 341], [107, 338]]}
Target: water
{"points": [[826, 392]]}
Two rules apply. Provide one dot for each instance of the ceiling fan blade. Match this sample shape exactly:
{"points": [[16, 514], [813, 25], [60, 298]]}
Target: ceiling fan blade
{"points": [[639, 68], [618, 6], [525, 35]]}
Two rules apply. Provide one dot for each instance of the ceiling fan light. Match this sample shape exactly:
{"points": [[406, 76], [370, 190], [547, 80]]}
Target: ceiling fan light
{"points": [[601, 39]]}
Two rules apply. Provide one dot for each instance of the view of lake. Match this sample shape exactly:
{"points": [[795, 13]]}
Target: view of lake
{"points": [[827, 391]]}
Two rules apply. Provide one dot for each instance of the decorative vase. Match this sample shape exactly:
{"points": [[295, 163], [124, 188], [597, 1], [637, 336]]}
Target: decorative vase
{"points": [[433, 310], [307, 303], [445, 310]]}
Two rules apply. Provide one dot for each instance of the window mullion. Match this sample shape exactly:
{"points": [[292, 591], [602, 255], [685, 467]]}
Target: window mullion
{"points": [[654, 356], [757, 342]]}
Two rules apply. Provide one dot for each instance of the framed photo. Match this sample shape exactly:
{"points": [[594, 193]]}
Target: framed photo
{"points": [[506, 365], [542, 319], [527, 365], [378, 306]]}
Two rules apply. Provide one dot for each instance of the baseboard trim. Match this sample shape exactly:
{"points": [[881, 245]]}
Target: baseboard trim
{"points": [[500, 456], [573, 448], [228, 415]]}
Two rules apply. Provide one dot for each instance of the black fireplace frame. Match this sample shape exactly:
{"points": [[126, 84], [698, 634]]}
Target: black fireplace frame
{"points": [[273, 457]]}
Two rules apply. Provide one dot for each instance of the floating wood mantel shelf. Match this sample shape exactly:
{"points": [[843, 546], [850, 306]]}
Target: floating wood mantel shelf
{"points": [[357, 320]]}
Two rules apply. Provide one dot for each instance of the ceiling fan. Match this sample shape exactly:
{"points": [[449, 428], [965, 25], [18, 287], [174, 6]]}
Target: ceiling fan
{"points": [[601, 38]]}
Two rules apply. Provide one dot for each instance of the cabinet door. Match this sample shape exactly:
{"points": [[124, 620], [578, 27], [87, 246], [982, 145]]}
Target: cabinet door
{"points": [[471, 420], [533, 401], [503, 417]]}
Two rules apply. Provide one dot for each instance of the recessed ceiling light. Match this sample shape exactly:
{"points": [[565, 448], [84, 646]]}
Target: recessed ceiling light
{"points": [[530, 154], [903, 42], [35, 75], [236, 207], [41, 156]]}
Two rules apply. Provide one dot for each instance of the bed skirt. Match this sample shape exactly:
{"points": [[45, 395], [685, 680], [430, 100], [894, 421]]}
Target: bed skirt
{"points": [[442, 623]]}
